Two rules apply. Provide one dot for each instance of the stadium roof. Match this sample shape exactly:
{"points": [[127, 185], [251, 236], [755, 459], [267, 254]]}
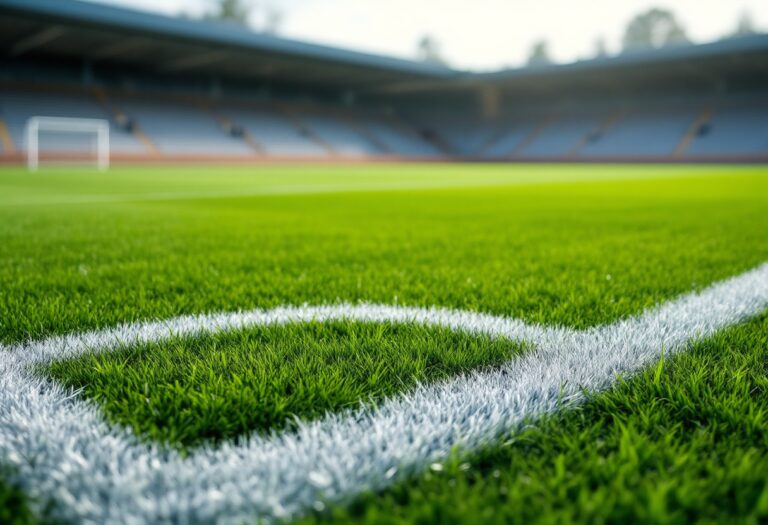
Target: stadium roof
{"points": [[100, 34], [742, 61]]}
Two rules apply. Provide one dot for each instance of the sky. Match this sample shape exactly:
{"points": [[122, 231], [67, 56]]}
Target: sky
{"points": [[480, 34]]}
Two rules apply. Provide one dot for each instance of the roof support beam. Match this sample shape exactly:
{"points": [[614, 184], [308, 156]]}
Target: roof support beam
{"points": [[193, 61], [118, 48], [490, 101], [40, 38]]}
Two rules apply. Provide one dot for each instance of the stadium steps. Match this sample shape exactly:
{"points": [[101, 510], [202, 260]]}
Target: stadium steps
{"points": [[704, 117], [737, 130], [227, 123], [178, 126], [362, 130], [601, 130], [499, 133], [512, 133], [532, 136], [305, 131], [253, 143], [118, 114], [396, 140], [441, 144], [647, 131], [335, 129], [6, 141], [248, 137], [145, 140], [434, 139]]}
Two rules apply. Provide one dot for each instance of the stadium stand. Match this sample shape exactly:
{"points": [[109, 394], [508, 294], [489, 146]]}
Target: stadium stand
{"points": [[642, 133], [464, 135], [17, 107], [511, 137], [177, 128], [399, 139], [560, 136], [184, 89], [733, 131], [275, 133], [337, 136]]}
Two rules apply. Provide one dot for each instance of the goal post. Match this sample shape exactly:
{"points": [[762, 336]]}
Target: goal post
{"points": [[96, 128]]}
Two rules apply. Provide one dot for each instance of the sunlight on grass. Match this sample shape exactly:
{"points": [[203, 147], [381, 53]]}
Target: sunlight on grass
{"points": [[569, 245]]}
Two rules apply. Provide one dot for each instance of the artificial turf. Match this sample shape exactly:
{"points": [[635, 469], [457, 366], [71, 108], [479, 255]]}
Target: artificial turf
{"points": [[575, 246]]}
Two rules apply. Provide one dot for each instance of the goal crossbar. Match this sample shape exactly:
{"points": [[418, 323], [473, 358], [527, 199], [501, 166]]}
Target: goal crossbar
{"points": [[98, 127]]}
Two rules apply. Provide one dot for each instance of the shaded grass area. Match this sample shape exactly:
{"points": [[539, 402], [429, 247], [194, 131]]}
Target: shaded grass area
{"points": [[684, 442], [574, 253], [13, 504], [207, 389]]}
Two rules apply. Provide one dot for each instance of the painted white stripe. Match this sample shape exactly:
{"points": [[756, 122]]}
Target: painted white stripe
{"points": [[62, 448]]}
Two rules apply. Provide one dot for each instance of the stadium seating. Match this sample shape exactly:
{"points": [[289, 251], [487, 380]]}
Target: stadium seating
{"points": [[464, 135], [398, 139], [642, 133], [177, 126], [338, 135], [17, 107], [559, 137], [274, 132], [176, 88], [733, 131], [510, 137]]}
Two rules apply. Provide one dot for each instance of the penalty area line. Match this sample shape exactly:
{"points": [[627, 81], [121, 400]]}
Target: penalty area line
{"points": [[64, 452]]}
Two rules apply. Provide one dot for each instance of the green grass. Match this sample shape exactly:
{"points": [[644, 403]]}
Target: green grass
{"points": [[578, 253], [688, 444], [219, 387], [14, 509], [576, 246]]}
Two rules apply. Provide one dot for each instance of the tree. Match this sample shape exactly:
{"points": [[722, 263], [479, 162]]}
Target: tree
{"points": [[237, 11], [264, 15], [273, 19], [601, 50], [539, 54], [745, 25], [429, 52], [653, 29]]}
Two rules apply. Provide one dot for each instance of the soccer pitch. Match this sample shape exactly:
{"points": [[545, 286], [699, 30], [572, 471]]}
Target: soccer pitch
{"points": [[355, 294]]}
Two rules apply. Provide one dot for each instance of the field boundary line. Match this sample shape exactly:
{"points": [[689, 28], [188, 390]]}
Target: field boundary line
{"points": [[61, 447]]}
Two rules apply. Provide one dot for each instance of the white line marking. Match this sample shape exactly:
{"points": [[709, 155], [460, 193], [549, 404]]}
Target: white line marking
{"points": [[63, 450]]}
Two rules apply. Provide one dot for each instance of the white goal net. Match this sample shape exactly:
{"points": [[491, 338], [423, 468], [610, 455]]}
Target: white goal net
{"points": [[67, 140]]}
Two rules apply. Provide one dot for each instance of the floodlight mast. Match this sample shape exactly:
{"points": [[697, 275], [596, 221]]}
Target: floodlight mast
{"points": [[98, 127]]}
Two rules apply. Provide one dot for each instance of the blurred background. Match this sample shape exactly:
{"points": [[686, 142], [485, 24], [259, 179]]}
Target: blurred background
{"points": [[252, 80], [486, 34]]}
